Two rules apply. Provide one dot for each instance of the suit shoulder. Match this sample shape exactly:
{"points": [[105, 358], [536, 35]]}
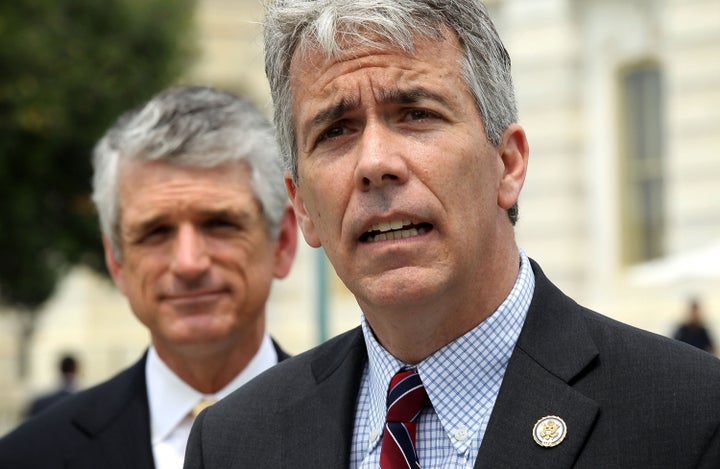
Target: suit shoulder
{"points": [[60, 428], [556, 326], [653, 357], [288, 378], [626, 337]]}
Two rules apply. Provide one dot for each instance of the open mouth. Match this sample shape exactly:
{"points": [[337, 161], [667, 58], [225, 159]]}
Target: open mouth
{"points": [[395, 229]]}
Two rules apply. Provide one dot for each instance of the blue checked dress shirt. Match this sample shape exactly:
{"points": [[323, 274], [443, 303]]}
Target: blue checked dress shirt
{"points": [[462, 380]]}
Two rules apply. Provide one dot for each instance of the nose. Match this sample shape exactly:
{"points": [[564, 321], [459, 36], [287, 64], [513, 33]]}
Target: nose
{"points": [[190, 257], [380, 162]]}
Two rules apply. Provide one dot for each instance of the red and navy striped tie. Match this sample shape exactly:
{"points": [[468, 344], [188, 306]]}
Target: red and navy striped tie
{"points": [[406, 399]]}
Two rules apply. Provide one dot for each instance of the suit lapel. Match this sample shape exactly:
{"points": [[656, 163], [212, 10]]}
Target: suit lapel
{"points": [[529, 393], [117, 423], [554, 347], [328, 408], [281, 354]]}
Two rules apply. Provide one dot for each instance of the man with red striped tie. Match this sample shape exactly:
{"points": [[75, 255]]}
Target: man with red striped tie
{"points": [[398, 124]]}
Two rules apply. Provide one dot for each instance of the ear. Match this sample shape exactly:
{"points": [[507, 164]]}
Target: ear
{"points": [[113, 264], [514, 153], [286, 243], [306, 225]]}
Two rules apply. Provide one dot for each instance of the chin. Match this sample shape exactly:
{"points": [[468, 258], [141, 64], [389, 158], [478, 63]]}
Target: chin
{"points": [[390, 298], [398, 287], [199, 334]]}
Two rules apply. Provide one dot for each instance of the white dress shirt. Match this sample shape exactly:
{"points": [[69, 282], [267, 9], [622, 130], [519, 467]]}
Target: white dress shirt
{"points": [[462, 380], [171, 400]]}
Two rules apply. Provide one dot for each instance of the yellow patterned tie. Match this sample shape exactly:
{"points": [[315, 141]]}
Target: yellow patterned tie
{"points": [[200, 406]]}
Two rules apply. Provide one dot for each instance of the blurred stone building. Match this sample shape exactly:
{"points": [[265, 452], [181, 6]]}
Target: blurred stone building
{"points": [[621, 103]]}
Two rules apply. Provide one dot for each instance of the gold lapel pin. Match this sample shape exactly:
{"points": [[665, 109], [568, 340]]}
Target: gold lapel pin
{"points": [[549, 431]]}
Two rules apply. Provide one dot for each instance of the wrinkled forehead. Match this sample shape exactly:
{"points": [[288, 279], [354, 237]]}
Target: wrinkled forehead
{"points": [[342, 37], [314, 53]]}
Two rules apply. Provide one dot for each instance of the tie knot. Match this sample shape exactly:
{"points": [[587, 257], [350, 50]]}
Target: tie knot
{"points": [[202, 405], [406, 397]]}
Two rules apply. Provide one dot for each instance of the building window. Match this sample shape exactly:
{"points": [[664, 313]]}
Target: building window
{"points": [[642, 163]]}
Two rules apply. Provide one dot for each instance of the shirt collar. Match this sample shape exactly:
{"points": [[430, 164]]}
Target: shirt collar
{"points": [[462, 378], [171, 399]]}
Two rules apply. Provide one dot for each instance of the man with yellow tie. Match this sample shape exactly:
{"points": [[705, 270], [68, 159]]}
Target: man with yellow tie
{"points": [[196, 224]]}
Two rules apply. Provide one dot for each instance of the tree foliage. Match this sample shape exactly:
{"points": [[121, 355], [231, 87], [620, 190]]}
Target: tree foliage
{"points": [[68, 68]]}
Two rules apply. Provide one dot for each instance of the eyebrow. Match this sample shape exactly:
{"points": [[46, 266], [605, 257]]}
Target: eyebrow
{"points": [[136, 230], [410, 96], [335, 111], [240, 214], [332, 113]]}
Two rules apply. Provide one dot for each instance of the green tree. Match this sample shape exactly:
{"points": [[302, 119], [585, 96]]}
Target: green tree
{"points": [[68, 68]]}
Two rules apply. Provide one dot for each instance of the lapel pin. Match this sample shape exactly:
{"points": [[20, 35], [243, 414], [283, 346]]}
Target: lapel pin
{"points": [[549, 431]]}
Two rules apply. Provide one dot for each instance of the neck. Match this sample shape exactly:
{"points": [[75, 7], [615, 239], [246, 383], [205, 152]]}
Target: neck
{"points": [[414, 332], [210, 367]]}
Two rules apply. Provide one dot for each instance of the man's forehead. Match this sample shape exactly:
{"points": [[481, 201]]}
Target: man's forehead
{"points": [[310, 59], [354, 41], [136, 219], [154, 186], [390, 95], [336, 87]]}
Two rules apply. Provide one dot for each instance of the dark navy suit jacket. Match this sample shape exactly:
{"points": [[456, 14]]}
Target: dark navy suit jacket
{"points": [[630, 399], [103, 427]]}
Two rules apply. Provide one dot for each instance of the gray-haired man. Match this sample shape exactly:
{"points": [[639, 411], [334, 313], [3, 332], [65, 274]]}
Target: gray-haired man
{"points": [[405, 162], [196, 224]]}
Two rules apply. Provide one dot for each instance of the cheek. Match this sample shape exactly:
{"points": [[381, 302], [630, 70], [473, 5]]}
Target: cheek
{"points": [[449, 170], [469, 186], [248, 258], [141, 274], [326, 201]]}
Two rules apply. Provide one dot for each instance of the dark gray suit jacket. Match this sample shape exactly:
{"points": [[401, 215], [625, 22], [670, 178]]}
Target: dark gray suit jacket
{"points": [[104, 427], [630, 399]]}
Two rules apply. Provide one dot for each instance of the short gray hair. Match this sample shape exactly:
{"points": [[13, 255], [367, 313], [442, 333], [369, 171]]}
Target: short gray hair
{"points": [[331, 25], [193, 126]]}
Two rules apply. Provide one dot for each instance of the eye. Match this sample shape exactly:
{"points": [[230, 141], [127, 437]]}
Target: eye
{"points": [[154, 235], [334, 131], [221, 224], [421, 114]]}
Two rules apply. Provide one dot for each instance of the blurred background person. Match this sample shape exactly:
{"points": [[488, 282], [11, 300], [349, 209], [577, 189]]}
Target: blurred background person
{"points": [[195, 225], [693, 330], [68, 368]]}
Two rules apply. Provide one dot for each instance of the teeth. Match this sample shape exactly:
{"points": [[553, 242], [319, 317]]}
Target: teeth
{"points": [[392, 230], [390, 225]]}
